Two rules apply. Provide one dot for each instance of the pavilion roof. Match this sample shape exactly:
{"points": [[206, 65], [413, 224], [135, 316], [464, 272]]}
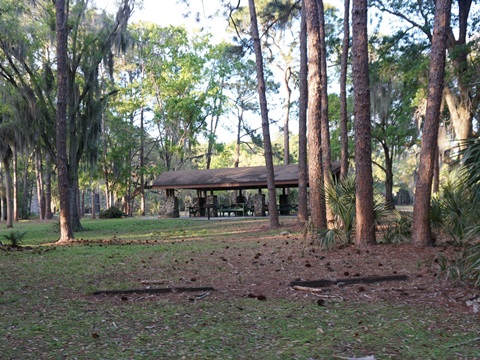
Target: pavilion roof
{"points": [[254, 177]]}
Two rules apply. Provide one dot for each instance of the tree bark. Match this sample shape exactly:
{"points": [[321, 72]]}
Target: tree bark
{"points": [[8, 186], [389, 202], [48, 187], [315, 168], [343, 93], [66, 231], [421, 230], [302, 216], [15, 184], [365, 225], [39, 183], [286, 119], [325, 133], [142, 164], [272, 196]]}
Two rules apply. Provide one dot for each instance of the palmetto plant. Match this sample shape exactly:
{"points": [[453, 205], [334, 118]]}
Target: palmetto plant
{"points": [[455, 208], [14, 238], [340, 196], [456, 211]]}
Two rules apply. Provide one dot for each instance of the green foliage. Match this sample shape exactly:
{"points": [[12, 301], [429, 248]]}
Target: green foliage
{"points": [[398, 229], [14, 238], [341, 197], [111, 213], [464, 266], [455, 209]]}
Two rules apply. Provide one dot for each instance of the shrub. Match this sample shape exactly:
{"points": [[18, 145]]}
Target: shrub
{"points": [[341, 197], [398, 229], [111, 213], [14, 238]]}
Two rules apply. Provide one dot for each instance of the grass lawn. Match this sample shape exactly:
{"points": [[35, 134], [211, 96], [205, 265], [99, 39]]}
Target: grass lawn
{"points": [[47, 309]]}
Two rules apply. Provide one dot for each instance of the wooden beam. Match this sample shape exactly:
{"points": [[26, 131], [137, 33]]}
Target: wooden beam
{"points": [[359, 280], [154, 291]]}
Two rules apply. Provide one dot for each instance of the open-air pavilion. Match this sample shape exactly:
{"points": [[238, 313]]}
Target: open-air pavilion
{"points": [[206, 182]]}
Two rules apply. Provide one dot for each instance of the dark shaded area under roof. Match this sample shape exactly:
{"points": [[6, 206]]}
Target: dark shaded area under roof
{"points": [[254, 177]]}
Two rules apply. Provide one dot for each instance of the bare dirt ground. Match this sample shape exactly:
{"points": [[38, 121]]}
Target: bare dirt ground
{"points": [[263, 267]]}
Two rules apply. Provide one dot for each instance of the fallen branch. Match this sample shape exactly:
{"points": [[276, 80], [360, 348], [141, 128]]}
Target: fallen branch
{"points": [[160, 282], [306, 288], [154, 291], [360, 280], [465, 342]]}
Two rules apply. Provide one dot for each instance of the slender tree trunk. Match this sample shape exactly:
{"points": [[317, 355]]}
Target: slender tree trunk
{"points": [[15, 184], [343, 93], [389, 202], [92, 200], [2, 195], [8, 186], [236, 161], [66, 231], [436, 173], [286, 117], [460, 108], [215, 119], [315, 168], [3, 215], [48, 187], [325, 134], [39, 182], [142, 164], [108, 203], [272, 195], [74, 196], [302, 124], [461, 103], [26, 192], [365, 221], [421, 231]]}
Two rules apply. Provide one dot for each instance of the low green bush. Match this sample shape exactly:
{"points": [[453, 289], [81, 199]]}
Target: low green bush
{"points": [[111, 213]]}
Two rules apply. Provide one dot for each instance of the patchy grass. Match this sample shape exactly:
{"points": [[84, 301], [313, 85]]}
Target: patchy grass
{"points": [[47, 310]]}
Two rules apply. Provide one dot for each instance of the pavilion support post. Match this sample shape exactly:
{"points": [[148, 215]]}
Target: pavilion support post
{"points": [[211, 205], [241, 199], [259, 204], [170, 208], [200, 202], [284, 202]]}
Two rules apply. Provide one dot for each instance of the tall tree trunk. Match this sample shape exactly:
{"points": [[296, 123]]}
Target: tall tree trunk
{"points": [[48, 187], [215, 119], [142, 164], [108, 203], [421, 230], [325, 134], [3, 215], [436, 172], [365, 221], [302, 124], [272, 195], [286, 117], [66, 230], [74, 190], [343, 92], [389, 202], [460, 109], [39, 183], [92, 200], [461, 103], [15, 184], [315, 168], [26, 192], [8, 186]]}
